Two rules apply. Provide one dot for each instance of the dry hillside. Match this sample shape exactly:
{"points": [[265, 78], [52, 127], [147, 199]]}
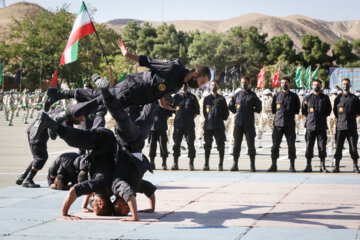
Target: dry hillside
{"points": [[293, 25], [17, 11]]}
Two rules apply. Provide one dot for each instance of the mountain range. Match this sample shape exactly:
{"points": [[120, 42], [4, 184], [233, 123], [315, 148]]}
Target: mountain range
{"points": [[294, 26]]}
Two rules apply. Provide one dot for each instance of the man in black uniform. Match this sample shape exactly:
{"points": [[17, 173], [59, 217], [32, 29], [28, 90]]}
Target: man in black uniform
{"points": [[164, 78], [215, 113], [244, 104], [285, 105], [158, 134], [316, 107], [186, 109], [38, 147], [102, 142], [64, 170], [346, 108]]}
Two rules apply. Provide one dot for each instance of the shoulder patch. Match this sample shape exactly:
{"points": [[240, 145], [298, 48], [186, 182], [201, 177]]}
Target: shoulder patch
{"points": [[161, 87]]}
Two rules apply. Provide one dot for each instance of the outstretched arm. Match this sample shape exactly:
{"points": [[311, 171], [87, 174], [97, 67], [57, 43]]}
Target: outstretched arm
{"points": [[69, 200], [152, 201], [85, 203], [133, 208], [125, 51]]}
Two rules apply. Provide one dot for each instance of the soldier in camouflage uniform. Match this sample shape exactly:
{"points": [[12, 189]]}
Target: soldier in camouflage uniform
{"points": [[10, 103], [266, 115], [299, 119]]}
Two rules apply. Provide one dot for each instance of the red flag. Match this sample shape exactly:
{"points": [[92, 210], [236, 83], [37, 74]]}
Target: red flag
{"points": [[54, 79], [275, 80], [261, 78]]}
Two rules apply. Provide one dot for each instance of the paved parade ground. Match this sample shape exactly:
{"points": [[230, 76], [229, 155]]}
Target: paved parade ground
{"points": [[190, 205]]}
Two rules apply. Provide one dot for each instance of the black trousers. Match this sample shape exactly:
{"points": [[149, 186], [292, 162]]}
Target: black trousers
{"points": [[352, 137], [132, 132], [39, 152], [133, 91], [161, 137], [190, 138], [239, 132], [321, 138], [290, 138], [219, 136]]}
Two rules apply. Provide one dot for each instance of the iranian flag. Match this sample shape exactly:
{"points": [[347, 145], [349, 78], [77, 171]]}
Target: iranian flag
{"points": [[82, 27], [261, 78]]}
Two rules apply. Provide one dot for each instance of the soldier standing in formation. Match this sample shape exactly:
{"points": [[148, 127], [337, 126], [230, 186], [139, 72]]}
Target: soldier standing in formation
{"points": [[186, 109], [285, 105], [245, 103], [316, 107], [158, 134], [266, 116], [346, 107], [215, 112]]}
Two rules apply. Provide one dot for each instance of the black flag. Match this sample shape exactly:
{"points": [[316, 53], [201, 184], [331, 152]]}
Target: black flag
{"points": [[18, 76]]}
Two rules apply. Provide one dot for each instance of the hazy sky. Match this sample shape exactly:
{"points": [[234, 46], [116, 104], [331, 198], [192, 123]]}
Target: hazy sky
{"points": [[158, 10]]}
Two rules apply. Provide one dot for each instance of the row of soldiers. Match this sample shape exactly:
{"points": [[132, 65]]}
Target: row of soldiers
{"points": [[13, 101], [283, 113]]}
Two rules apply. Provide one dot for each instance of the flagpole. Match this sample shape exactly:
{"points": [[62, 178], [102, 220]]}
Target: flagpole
{"points": [[97, 36], [2, 77]]}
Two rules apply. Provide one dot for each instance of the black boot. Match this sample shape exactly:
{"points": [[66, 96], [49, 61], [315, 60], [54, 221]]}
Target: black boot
{"points": [[206, 165], [175, 165], [164, 167], [356, 168], [191, 164], [273, 167], [221, 153], [28, 182], [43, 121], [235, 165], [336, 168], [322, 166], [252, 164], [103, 84], [308, 165], [20, 179], [54, 94], [292, 165], [152, 161]]}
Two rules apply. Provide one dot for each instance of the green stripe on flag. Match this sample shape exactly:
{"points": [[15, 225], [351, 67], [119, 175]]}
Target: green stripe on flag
{"points": [[308, 77], [74, 51], [83, 8], [315, 73], [298, 77]]}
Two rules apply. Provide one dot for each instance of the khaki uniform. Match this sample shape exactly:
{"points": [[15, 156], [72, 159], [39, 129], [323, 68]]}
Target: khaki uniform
{"points": [[25, 104], [266, 116], [331, 120], [299, 119]]}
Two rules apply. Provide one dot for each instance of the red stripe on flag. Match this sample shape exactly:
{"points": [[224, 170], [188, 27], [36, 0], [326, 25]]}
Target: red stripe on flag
{"points": [[54, 79], [81, 32]]}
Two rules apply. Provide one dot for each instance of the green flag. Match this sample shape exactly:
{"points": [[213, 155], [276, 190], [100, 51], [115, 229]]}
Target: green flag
{"points": [[315, 73], [308, 77], [1, 70], [298, 77], [123, 77]]}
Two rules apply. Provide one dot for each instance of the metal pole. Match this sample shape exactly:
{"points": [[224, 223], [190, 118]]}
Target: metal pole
{"points": [[97, 36]]}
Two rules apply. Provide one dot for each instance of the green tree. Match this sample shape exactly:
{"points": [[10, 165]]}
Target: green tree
{"points": [[315, 50], [342, 52], [280, 48], [146, 41], [130, 35], [202, 51]]}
